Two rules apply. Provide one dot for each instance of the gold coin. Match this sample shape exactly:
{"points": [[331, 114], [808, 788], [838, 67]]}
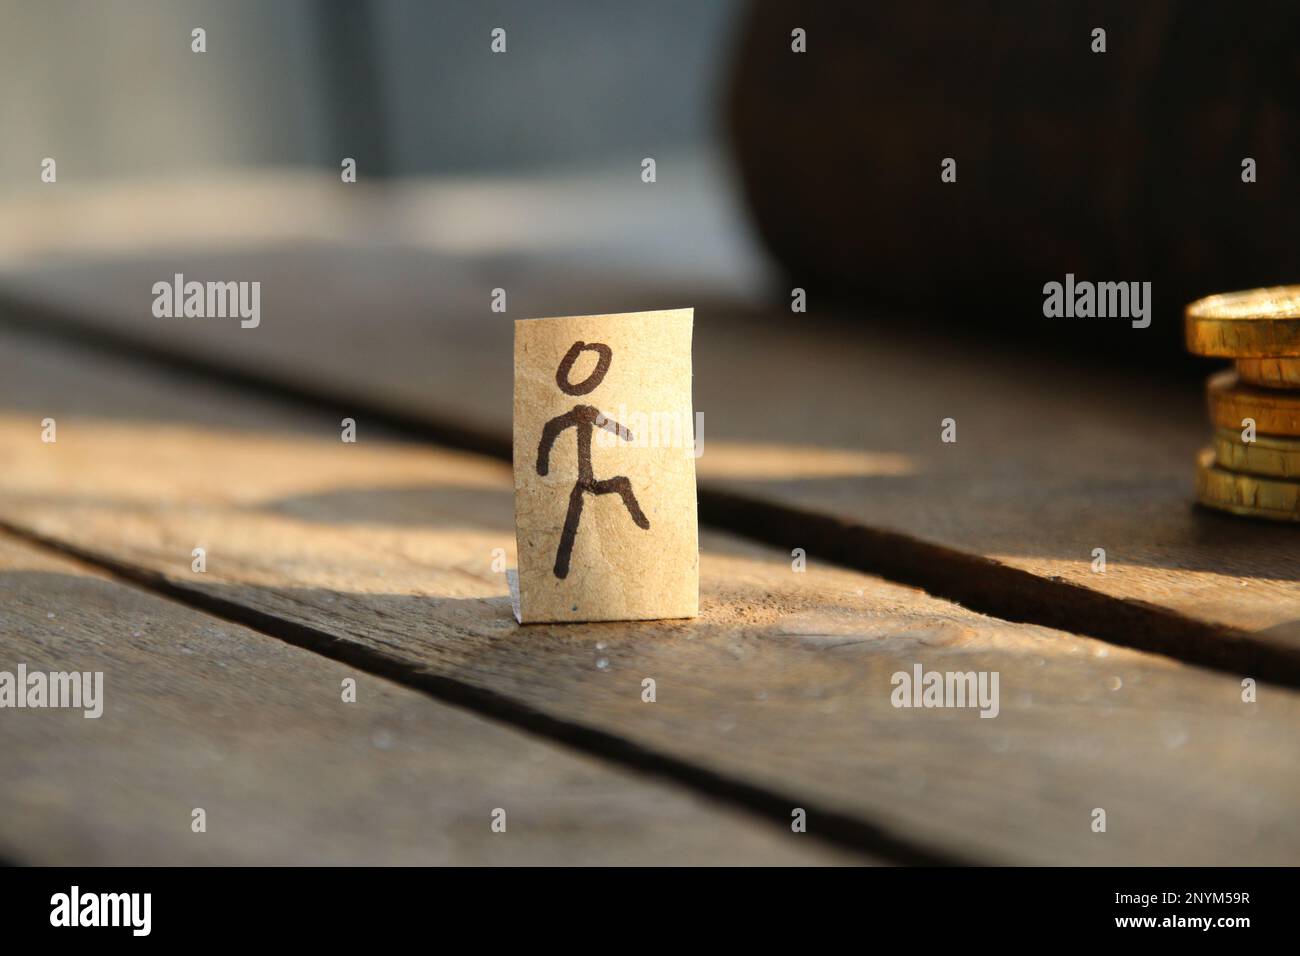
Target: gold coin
{"points": [[1245, 494], [1270, 372], [1267, 456], [1275, 412], [1257, 323]]}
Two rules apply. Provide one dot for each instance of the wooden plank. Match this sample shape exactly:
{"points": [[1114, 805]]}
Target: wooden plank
{"points": [[199, 712], [828, 440], [380, 553]]}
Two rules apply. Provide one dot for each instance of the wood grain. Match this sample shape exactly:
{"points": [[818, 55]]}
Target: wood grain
{"points": [[825, 438], [200, 712], [380, 554]]}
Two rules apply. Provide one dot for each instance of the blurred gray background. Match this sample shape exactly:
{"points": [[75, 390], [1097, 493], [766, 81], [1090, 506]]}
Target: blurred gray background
{"points": [[407, 87]]}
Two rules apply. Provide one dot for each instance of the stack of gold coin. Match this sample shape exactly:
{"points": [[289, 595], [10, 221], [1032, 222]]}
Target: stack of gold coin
{"points": [[1254, 467]]}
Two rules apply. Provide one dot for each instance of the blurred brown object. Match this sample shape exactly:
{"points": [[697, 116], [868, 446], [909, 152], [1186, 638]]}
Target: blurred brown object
{"points": [[1116, 166]]}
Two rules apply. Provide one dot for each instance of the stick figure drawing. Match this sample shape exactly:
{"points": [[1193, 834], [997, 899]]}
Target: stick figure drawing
{"points": [[584, 419]]}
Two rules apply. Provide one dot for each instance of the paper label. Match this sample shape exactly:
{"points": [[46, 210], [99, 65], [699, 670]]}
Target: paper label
{"points": [[604, 465]]}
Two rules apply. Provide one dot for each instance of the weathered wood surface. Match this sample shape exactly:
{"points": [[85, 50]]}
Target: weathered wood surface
{"points": [[200, 712], [827, 440], [380, 553]]}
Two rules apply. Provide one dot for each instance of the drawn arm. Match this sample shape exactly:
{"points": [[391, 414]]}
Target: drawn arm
{"points": [[550, 432], [613, 427]]}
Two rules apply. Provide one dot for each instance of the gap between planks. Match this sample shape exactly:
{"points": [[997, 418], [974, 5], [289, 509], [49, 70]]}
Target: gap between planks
{"points": [[264, 740], [981, 584], [834, 828], [783, 683]]}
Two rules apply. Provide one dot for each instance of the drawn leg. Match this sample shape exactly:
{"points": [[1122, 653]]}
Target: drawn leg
{"points": [[570, 532], [623, 486]]}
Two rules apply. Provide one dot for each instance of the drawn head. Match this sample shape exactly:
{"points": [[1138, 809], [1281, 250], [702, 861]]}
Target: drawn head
{"points": [[597, 376]]}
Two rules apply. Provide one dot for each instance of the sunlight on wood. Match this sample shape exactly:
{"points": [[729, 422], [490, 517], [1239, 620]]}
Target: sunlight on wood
{"points": [[781, 462]]}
